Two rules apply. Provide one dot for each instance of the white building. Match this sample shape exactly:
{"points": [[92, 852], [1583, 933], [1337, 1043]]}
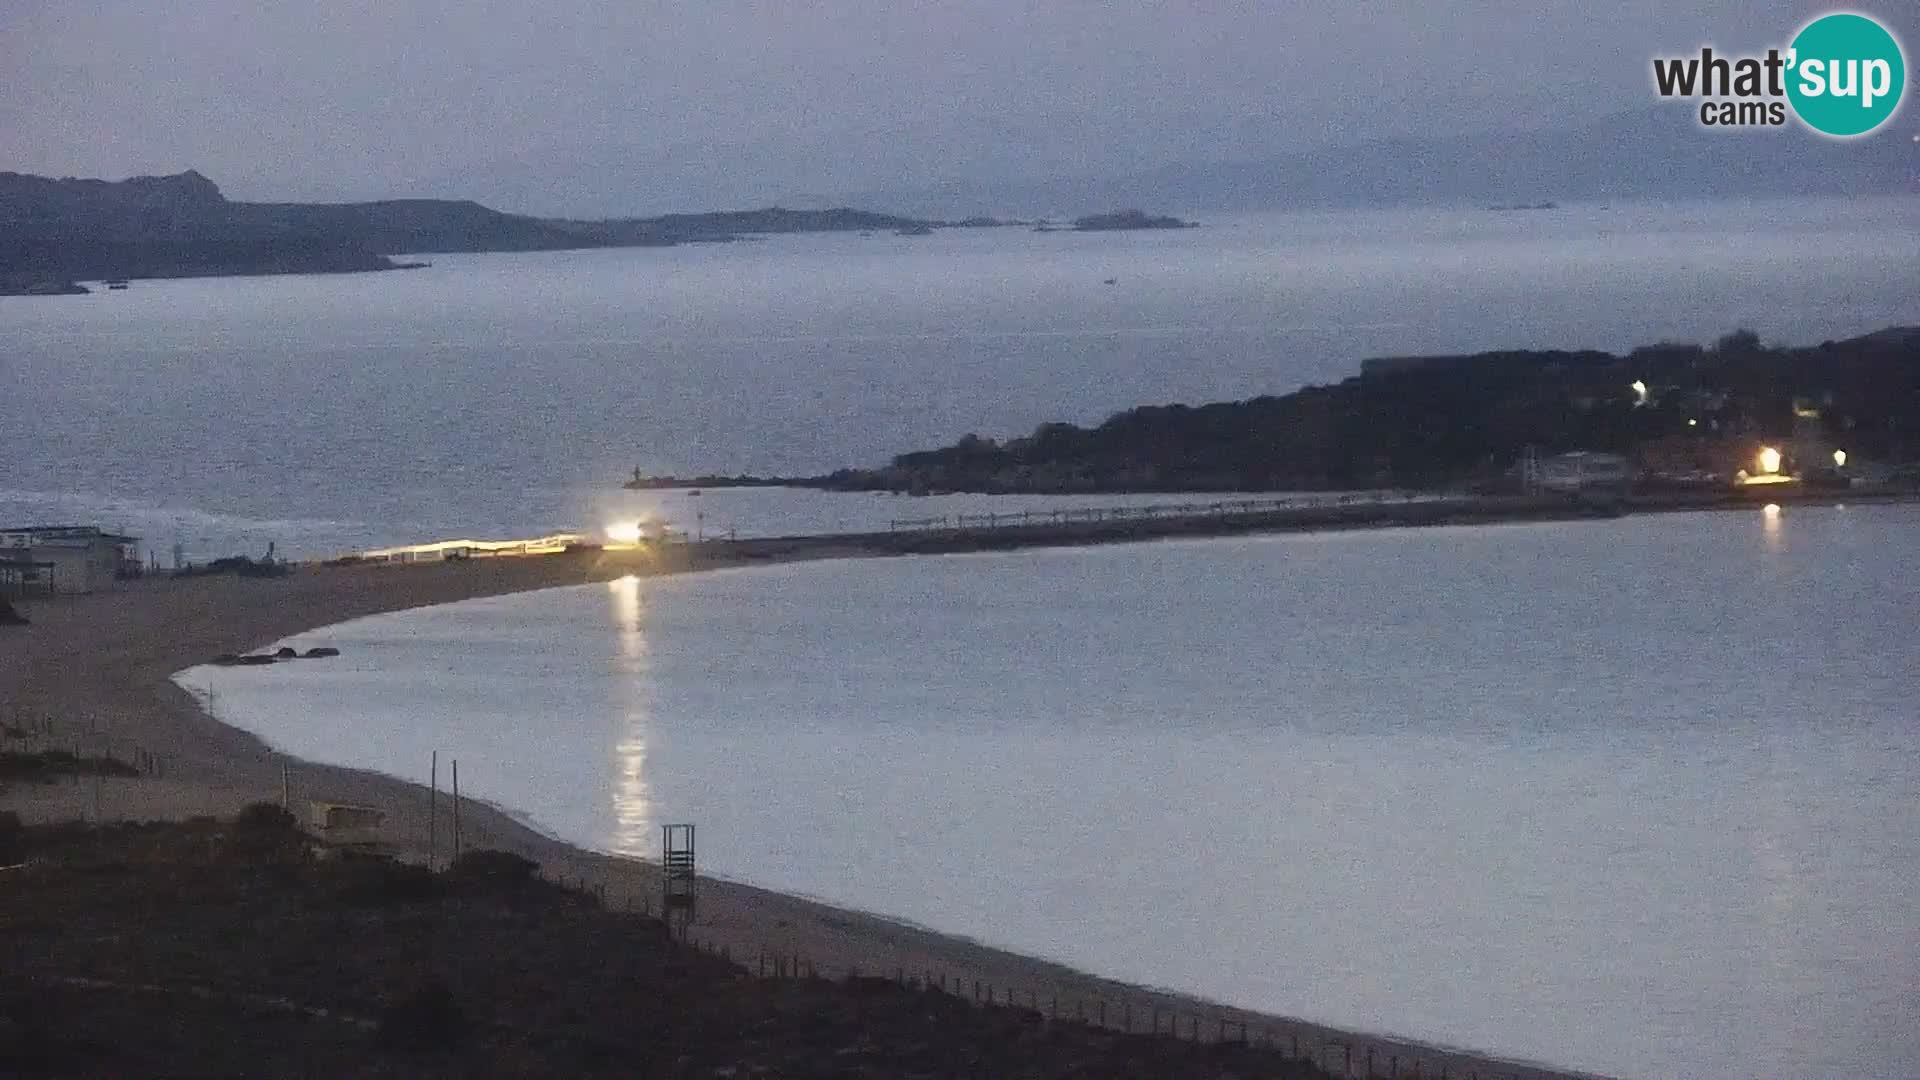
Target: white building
{"points": [[53, 559], [1584, 472]]}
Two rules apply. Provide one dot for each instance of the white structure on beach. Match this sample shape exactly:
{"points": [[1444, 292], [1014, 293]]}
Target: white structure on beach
{"points": [[51, 559], [1582, 472], [446, 550]]}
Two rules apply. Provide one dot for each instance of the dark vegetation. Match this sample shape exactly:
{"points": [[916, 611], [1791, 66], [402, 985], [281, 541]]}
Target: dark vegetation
{"points": [[238, 565], [1127, 219], [706, 480], [1435, 421], [242, 948], [62, 231], [47, 766]]}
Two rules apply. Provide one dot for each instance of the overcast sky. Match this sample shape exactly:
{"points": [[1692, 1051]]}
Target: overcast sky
{"points": [[626, 106]]}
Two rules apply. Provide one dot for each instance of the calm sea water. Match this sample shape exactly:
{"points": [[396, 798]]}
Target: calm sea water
{"points": [[1635, 796], [506, 395]]}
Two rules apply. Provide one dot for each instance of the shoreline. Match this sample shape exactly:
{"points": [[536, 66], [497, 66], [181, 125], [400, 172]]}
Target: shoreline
{"points": [[101, 669]]}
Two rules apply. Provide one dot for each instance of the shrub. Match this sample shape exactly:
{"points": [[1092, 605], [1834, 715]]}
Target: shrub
{"points": [[263, 832], [496, 869], [382, 882], [46, 766], [424, 1019], [266, 817]]}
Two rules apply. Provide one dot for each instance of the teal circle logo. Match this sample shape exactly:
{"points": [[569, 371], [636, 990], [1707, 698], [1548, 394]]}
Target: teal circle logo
{"points": [[1846, 74]]}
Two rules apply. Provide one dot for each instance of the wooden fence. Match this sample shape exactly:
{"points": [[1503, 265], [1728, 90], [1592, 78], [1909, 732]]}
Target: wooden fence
{"points": [[1110, 1007]]}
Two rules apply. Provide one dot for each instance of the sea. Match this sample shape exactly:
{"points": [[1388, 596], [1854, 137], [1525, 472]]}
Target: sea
{"points": [[1633, 796], [507, 395]]}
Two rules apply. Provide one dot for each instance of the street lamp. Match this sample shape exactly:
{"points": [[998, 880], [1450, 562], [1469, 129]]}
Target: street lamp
{"points": [[1839, 459], [1769, 460]]}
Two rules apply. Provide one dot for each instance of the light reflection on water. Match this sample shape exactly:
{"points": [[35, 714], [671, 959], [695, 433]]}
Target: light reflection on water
{"points": [[632, 806]]}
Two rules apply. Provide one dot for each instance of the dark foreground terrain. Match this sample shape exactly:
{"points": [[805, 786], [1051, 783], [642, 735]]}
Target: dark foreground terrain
{"points": [[245, 948]]}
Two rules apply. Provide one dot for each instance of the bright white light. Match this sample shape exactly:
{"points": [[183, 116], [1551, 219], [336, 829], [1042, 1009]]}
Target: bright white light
{"points": [[1692, 422], [1639, 392], [626, 532], [1771, 509], [1839, 459], [1769, 460]]}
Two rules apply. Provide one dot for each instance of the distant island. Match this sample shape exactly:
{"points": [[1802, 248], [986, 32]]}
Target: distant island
{"points": [[61, 232], [1526, 206], [1121, 220], [642, 482], [1694, 412]]}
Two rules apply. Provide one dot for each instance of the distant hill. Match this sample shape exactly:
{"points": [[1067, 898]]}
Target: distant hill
{"points": [[158, 226], [1429, 421], [1655, 153], [411, 226], [57, 232]]}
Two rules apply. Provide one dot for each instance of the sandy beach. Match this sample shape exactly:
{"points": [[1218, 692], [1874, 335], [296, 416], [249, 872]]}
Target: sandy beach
{"points": [[98, 669]]}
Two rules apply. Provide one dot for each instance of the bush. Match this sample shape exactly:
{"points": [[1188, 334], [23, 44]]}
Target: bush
{"points": [[46, 766], [12, 842], [496, 869], [266, 817], [425, 1019], [382, 882], [263, 832]]}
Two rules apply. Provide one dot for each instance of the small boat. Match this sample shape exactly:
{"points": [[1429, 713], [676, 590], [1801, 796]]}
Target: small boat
{"points": [[1111, 281], [117, 284]]}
